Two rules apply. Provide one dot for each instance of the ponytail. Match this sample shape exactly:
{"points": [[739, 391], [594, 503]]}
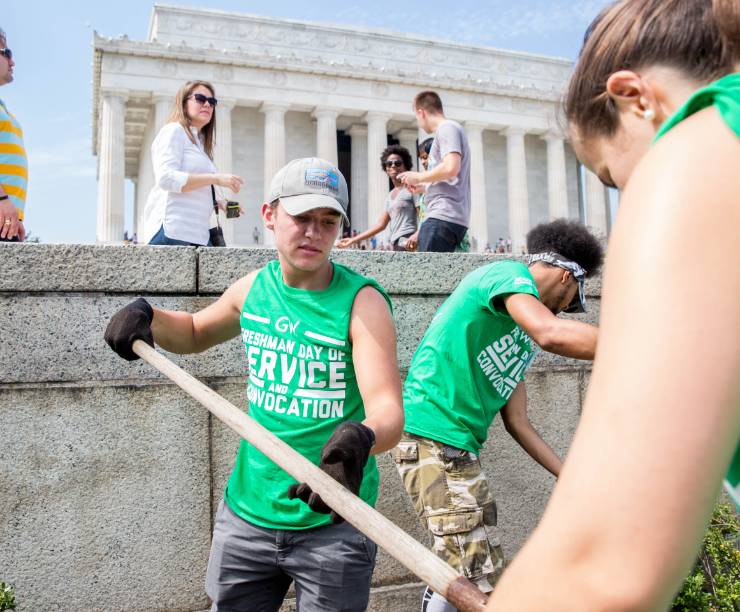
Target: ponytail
{"points": [[727, 17]]}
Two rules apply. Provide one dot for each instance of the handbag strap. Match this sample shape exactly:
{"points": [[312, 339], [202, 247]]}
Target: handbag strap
{"points": [[215, 205]]}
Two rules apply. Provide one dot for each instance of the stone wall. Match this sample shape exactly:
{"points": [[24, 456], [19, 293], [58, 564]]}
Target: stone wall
{"points": [[109, 474]]}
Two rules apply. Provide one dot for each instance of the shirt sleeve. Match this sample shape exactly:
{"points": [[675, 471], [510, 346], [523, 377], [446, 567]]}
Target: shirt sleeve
{"points": [[504, 278], [167, 154], [450, 139]]}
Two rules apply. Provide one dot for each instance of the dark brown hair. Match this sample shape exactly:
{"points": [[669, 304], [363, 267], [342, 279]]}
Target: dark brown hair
{"points": [[429, 101], [699, 37], [180, 115]]}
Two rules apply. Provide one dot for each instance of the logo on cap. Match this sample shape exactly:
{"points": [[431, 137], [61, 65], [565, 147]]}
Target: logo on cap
{"points": [[323, 179]]}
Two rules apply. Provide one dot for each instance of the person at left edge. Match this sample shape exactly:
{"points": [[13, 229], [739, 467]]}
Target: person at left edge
{"points": [[323, 376], [13, 160], [179, 207]]}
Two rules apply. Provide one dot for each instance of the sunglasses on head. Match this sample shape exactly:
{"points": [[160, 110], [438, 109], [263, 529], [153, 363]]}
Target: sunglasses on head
{"points": [[394, 162], [7, 53], [201, 99]]}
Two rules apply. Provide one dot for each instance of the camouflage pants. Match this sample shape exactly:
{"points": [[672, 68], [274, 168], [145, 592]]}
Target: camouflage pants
{"points": [[451, 496]]}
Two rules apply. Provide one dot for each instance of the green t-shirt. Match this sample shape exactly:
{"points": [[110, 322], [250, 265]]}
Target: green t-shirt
{"points": [[301, 385], [724, 94], [470, 360]]}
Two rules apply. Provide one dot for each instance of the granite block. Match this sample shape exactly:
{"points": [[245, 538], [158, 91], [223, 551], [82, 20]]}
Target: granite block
{"points": [[94, 268], [105, 502]]}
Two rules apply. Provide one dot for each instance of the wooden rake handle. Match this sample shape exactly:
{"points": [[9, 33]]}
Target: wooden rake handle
{"points": [[459, 591]]}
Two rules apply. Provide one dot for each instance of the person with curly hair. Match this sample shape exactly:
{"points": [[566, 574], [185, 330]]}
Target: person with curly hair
{"points": [[400, 209], [468, 367]]}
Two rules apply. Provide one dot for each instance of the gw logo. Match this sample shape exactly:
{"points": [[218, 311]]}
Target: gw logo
{"points": [[284, 324]]}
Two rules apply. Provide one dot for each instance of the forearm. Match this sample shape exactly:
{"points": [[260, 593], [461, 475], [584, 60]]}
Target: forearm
{"points": [[368, 234], [442, 172], [387, 423], [174, 331], [198, 181], [530, 440], [569, 338]]}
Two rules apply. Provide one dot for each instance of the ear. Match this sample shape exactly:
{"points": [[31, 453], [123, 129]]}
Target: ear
{"points": [[268, 216], [632, 94], [565, 277]]}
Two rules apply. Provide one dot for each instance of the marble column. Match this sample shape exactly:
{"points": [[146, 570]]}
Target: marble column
{"points": [[377, 183], [557, 182], [222, 157], [274, 152], [478, 229], [516, 165], [163, 105], [595, 203], [161, 109], [407, 138], [359, 181], [111, 167], [326, 134]]}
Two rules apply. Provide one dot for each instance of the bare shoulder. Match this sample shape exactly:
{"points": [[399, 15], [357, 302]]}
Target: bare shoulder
{"points": [[701, 145], [370, 312], [369, 299], [690, 173], [237, 293]]}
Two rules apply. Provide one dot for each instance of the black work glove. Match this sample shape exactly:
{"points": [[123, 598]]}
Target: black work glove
{"points": [[343, 457], [132, 322]]}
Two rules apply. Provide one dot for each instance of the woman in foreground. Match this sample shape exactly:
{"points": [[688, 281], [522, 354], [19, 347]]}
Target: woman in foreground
{"points": [[653, 109]]}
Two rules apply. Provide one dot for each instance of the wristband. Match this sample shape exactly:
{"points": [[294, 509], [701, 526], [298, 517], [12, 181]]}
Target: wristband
{"points": [[4, 197]]}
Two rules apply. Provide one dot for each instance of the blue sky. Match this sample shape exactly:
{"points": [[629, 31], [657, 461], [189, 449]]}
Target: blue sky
{"points": [[51, 94]]}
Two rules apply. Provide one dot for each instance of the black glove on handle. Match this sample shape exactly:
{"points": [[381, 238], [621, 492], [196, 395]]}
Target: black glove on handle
{"points": [[132, 322], [343, 457]]}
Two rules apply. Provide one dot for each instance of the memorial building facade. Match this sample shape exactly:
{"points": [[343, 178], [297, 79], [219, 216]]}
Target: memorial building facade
{"points": [[290, 89]]}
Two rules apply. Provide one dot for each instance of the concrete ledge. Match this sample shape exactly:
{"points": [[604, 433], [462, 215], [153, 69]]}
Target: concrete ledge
{"points": [[90, 268], [122, 269], [398, 273]]}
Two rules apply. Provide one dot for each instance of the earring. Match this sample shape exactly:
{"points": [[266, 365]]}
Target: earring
{"points": [[649, 114]]}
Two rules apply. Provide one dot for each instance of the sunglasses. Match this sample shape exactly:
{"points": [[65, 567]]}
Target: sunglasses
{"points": [[201, 99], [7, 53], [394, 163]]}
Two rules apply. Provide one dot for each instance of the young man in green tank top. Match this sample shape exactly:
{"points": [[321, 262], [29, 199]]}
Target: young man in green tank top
{"points": [[469, 366], [320, 342]]}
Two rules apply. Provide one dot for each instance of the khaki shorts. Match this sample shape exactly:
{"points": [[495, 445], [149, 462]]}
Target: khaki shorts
{"points": [[451, 496]]}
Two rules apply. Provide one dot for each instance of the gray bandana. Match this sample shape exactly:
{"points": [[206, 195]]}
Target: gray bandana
{"points": [[554, 259]]}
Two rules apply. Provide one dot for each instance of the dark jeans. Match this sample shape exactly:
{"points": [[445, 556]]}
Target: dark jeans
{"points": [[251, 567], [160, 239], [440, 236]]}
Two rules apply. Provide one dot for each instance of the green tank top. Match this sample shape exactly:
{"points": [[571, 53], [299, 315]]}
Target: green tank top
{"points": [[724, 94], [301, 385]]}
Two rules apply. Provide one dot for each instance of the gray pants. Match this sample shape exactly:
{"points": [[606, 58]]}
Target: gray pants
{"points": [[251, 567]]}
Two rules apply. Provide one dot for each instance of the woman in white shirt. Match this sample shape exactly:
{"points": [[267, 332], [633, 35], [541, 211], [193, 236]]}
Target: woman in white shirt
{"points": [[179, 207]]}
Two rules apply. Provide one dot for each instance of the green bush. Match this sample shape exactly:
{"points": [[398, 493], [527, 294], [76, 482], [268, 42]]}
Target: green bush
{"points": [[714, 584], [7, 597]]}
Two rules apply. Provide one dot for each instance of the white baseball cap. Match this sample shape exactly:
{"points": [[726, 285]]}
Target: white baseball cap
{"points": [[308, 183]]}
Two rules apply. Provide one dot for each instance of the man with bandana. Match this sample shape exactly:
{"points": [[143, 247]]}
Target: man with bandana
{"points": [[468, 367]]}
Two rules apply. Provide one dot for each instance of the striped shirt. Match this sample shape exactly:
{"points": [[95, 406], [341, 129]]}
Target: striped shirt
{"points": [[13, 160]]}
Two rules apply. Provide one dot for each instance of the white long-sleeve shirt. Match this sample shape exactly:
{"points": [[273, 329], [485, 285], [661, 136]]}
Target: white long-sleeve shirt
{"points": [[185, 216]]}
